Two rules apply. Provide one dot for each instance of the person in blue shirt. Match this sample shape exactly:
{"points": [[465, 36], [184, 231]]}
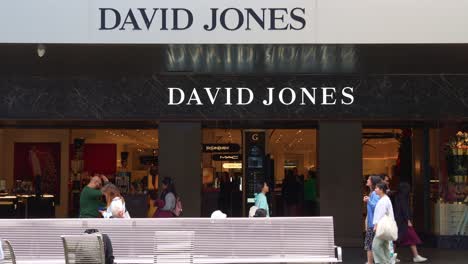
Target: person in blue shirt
{"points": [[261, 202], [371, 202]]}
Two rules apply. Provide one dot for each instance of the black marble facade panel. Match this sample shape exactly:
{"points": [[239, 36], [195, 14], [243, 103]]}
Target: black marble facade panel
{"points": [[406, 97]]}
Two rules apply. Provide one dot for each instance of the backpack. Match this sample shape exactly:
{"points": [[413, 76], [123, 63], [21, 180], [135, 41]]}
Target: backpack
{"points": [[177, 211]]}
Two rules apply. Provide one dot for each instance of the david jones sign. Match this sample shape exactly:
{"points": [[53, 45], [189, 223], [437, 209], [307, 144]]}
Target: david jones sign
{"points": [[230, 19], [232, 22], [271, 95]]}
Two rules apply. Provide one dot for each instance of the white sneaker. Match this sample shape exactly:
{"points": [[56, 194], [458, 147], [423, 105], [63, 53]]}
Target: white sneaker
{"points": [[393, 260], [418, 259]]}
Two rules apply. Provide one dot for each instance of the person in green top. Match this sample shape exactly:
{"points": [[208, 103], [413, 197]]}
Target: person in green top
{"points": [[310, 194], [90, 198]]}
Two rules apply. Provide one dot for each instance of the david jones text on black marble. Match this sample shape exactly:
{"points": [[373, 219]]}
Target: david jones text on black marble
{"points": [[230, 19], [245, 96]]}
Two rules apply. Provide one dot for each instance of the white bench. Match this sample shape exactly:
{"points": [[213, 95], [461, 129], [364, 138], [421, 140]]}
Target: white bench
{"points": [[231, 240]]}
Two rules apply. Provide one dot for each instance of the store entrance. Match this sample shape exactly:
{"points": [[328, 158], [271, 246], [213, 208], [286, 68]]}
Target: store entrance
{"points": [[234, 167]]}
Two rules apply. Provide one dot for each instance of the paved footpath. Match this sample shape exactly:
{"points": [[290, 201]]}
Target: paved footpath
{"points": [[435, 256]]}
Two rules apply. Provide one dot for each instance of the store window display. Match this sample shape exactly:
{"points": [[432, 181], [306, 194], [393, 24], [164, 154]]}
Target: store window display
{"points": [[451, 207]]}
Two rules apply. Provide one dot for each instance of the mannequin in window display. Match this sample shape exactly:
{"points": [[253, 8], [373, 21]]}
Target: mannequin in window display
{"points": [[43, 171], [35, 161], [123, 178], [36, 169]]}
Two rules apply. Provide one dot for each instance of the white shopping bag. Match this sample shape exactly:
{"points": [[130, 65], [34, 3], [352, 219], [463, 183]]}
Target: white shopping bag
{"points": [[387, 229]]}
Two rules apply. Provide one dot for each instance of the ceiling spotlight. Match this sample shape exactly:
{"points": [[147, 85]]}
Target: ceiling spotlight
{"points": [[41, 50]]}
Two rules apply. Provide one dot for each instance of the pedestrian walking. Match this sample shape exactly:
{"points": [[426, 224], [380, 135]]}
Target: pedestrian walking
{"points": [[407, 236], [381, 248], [371, 202], [167, 201], [261, 201]]}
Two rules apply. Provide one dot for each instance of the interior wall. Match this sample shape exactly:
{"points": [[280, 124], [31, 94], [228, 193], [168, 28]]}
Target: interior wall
{"points": [[304, 152], [137, 142], [279, 166], [378, 166], [62, 136]]}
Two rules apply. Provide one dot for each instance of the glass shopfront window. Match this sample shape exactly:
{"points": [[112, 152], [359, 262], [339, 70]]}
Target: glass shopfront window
{"points": [[449, 181], [434, 161], [43, 171], [222, 171], [286, 161]]}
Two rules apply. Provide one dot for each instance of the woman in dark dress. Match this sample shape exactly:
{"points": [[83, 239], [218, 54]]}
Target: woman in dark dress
{"points": [[406, 234]]}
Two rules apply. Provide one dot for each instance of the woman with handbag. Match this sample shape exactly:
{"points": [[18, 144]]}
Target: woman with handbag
{"points": [[384, 226], [406, 233]]}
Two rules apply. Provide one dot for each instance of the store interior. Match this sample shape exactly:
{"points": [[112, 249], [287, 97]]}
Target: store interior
{"points": [[286, 149], [66, 159], [433, 160]]}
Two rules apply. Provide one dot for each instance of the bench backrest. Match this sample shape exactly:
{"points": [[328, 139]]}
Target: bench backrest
{"points": [[239, 237], [83, 249], [174, 247]]}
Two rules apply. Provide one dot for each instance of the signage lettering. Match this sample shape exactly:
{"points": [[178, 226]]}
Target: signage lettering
{"points": [[231, 22], [245, 96], [227, 19], [142, 18], [244, 19], [221, 148], [227, 157]]}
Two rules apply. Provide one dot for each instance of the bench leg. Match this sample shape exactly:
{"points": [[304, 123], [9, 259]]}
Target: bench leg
{"points": [[339, 254]]}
